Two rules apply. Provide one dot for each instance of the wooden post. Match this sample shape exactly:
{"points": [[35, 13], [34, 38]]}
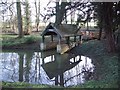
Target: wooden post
{"points": [[81, 39], [56, 80], [61, 78], [42, 56], [52, 38], [59, 46], [68, 40], [74, 38], [74, 59], [42, 44]]}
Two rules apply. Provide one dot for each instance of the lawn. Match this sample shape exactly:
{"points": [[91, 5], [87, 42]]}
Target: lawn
{"points": [[10, 40], [106, 65]]}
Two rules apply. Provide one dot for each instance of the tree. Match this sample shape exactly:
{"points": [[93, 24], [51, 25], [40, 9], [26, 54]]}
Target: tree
{"points": [[108, 19], [60, 11], [19, 18], [108, 25], [21, 56], [99, 16], [64, 9], [37, 14], [7, 14], [27, 17]]}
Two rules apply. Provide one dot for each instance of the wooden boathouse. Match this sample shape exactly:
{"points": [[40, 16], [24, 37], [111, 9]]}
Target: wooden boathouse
{"points": [[66, 35]]}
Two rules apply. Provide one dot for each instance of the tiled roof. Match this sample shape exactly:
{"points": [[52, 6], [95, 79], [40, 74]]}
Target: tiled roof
{"points": [[62, 30]]}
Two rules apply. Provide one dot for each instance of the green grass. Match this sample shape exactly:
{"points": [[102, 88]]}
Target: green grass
{"points": [[97, 84], [10, 40], [106, 65], [25, 85]]}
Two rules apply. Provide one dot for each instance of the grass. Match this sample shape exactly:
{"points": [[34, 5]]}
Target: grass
{"points": [[106, 65], [25, 85], [11, 40]]}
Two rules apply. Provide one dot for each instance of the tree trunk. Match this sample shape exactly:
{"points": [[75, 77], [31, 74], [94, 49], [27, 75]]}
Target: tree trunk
{"points": [[108, 20], [19, 18], [37, 15], [100, 27], [100, 33], [27, 30], [57, 14], [100, 18], [110, 41], [21, 56], [60, 12]]}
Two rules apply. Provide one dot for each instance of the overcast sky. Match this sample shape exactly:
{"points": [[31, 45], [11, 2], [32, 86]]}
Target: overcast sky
{"points": [[43, 4]]}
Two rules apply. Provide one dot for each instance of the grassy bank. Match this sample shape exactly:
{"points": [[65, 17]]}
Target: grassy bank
{"points": [[26, 85], [13, 42], [10, 40], [106, 65], [28, 42]]}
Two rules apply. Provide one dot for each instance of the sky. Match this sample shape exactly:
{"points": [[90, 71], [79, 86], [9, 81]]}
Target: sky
{"points": [[43, 4]]}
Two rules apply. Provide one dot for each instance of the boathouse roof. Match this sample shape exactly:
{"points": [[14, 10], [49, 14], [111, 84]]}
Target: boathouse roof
{"points": [[63, 30]]}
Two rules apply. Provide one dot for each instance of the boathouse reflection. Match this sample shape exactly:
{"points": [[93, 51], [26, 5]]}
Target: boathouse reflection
{"points": [[55, 69], [46, 68]]}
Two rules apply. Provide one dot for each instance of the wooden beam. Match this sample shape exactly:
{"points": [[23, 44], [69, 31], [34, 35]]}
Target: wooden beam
{"points": [[43, 39], [74, 38], [52, 38], [79, 37], [68, 40]]}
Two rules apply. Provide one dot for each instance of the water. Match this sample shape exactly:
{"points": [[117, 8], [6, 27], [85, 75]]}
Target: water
{"points": [[45, 68]]}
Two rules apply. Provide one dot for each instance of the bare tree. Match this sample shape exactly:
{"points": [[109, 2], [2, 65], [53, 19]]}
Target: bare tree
{"points": [[60, 11], [108, 25], [37, 7], [7, 13], [19, 18], [12, 17], [64, 9], [27, 18]]}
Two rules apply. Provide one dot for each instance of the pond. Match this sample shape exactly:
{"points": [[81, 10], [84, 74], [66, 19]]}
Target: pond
{"points": [[45, 68]]}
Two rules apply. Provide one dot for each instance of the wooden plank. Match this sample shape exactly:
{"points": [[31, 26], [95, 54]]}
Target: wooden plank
{"points": [[64, 48]]}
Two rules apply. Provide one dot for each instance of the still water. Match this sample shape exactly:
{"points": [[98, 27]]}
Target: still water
{"points": [[45, 68]]}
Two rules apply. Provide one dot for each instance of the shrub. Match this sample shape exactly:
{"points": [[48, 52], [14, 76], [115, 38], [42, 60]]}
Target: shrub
{"points": [[30, 40]]}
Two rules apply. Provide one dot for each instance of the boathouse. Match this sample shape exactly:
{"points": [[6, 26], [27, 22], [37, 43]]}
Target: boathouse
{"points": [[63, 34]]}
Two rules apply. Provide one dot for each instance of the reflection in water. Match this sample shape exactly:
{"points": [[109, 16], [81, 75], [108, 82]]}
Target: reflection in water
{"points": [[45, 68]]}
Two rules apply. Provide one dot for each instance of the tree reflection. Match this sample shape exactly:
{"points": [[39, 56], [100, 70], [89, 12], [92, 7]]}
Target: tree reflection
{"points": [[9, 66], [28, 64], [21, 56], [25, 66]]}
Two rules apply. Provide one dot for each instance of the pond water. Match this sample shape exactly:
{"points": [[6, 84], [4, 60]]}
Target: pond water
{"points": [[45, 68]]}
